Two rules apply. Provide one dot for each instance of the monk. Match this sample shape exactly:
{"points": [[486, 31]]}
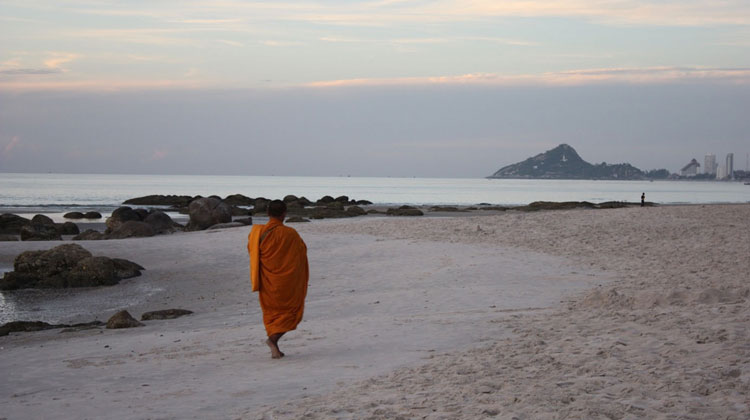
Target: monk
{"points": [[279, 273]]}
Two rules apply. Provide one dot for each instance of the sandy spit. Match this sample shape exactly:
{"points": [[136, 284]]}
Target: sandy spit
{"points": [[611, 314]]}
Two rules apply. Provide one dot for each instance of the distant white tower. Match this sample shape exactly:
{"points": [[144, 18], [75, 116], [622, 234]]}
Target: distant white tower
{"points": [[709, 164], [730, 166]]}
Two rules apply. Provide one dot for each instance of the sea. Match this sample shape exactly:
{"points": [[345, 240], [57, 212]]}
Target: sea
{"points": [[56, 194]]}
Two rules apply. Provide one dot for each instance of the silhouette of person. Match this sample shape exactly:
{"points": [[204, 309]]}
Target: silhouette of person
{"points": [[643, 199]]}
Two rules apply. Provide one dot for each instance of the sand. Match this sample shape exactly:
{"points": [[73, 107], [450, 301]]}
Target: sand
{"points": [[626, 313]]}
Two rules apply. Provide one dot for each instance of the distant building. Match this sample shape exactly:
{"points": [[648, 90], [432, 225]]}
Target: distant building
{"points": [[730, 166], [709, 165], [691, 169], [720, 172]]}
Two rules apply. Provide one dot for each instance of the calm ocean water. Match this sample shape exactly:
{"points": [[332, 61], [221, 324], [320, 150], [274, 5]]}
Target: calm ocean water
{"points": [[57, 193]]}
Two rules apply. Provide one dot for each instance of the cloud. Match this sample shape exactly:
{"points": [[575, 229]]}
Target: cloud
{"points": [[15, 72], [158, 154], [12, 144], [57, 59], [576, 77], [230, 42]]}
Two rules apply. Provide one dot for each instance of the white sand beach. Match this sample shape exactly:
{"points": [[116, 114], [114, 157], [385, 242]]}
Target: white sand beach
{"points": [[595, 314]]}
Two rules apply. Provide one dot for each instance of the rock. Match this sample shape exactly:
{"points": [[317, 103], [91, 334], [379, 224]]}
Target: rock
{"points": [[261, 205], [290, 198], [160, 200], [123, 319], [404, 211], [92, 215], [29, 326], [11, 224], [551, 205], [8, 238], [131, 229], [363, 203], [40, 232], [165, 314], [304, 201], [239, 200], [247, 221], [226, 225], [74, 215], [24, 326], [125, 269], [356, 211], [68, 265], [612, 205], [205, 212], [67, 228], [160, 222], [120, 216], [342, 199], [445, 209], [91, 272], [296, 219], [89, 235], [41, 219], [329, 213], [325, 200]]}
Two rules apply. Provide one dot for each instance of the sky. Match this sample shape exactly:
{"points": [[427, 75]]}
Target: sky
{"points": [[368, 88]]}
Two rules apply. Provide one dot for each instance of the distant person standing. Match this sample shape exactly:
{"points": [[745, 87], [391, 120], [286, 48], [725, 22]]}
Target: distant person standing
{"points": [[643, 199], [279, 272]]}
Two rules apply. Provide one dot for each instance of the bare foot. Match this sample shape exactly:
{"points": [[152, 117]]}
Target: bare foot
{"points": [[275, 352]]}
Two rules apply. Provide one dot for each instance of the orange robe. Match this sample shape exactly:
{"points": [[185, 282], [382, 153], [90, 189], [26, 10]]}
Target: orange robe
{"points": [[279, 272]]}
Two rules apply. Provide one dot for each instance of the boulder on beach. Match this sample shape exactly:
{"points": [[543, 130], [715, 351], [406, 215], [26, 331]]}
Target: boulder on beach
{"points": [[92, 215], [40, 232], [296, 219], [131, 229], [122, 319], [247, 221], [356, 211], [11, 224], [8, 238], [160, 222], [41, 219], [74, 215], [261, 205], [325, 200], [67, 228], [120, 216], [30, 326], [165, 314], [68, 265], [206, 212], [404, 211], [226, 225]]}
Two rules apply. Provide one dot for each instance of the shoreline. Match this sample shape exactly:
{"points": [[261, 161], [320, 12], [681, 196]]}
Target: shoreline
{"points": [[657, 281]]}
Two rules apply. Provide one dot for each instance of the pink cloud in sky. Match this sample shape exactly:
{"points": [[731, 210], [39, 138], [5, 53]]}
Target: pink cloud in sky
{"points": [[158, 154], [12, 144]]}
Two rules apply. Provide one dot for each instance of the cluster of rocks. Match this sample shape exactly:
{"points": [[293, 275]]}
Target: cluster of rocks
{"points": [[38, 228], [78, 215], [121, 319], [64, 266]]}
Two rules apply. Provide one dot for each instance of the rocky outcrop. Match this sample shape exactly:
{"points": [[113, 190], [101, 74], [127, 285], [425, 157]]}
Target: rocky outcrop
{"points": [[92, 215], [68, 265], [226, 225], [8, 238], [563, 162], [122, 319], [206, 212], [160, 222], [247, 221], [120, 216], [296, 219], [165, 314]]}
